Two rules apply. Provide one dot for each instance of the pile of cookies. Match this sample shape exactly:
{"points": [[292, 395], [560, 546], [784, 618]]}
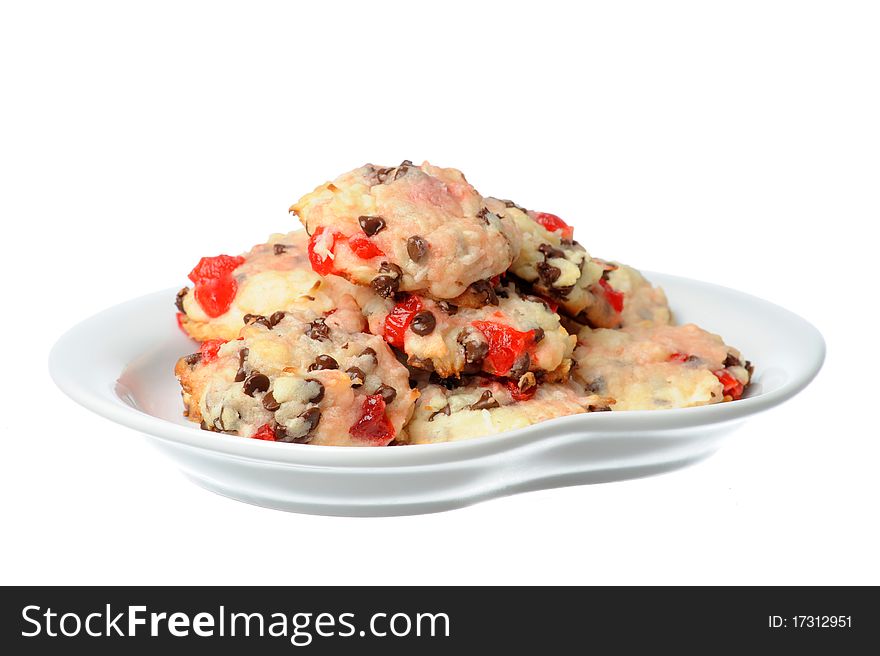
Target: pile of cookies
{"points": [[413, 310]]}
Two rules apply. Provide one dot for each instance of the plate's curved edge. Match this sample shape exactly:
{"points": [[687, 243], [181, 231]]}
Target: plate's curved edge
{"points": [[113, 408]]}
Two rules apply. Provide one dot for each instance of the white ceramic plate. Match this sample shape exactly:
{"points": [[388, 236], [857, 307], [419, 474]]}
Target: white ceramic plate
{"points": [[119, 364]]}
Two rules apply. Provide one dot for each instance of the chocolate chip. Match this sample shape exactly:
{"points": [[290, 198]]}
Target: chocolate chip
{"points": [[250, 319], [483, 214], [750, 368], [485, 402], [269, 322], [220, 425], [390, 268], [370, 352], [193, 360], [475, 351], [241, 374], [539, 335], [312, 417], [448, 307], [320, 395], [323, 362], [178, 302], [356, 375], [270, 403], [387, 393], [402, 169], [444, 411], [280, 249], [534, 299], [732, 361], [255, 382], [425, 364], [371, 225], [388, 282], [548, 251], [527, 383], [520, 365], [596, 386], [484, 292], [385, 286], [472, 368], [416, 247], [598, 408], [548, 273], [318, 330], [423, 323], [449, 383], [382, 174]]}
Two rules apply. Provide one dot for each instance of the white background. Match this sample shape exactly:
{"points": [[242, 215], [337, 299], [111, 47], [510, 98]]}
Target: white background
{"points": [[736, 143]]}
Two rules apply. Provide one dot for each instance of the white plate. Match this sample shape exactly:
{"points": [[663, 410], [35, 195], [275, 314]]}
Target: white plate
{"points": [[119, 364]]}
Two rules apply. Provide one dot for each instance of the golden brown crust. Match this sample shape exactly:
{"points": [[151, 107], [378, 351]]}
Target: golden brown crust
{"points": [[478, 295], [202, 331], [184, 373]]}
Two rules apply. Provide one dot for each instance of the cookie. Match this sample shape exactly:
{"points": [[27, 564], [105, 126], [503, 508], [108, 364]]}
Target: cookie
{"points": [[270, 277], [516, 335], [550, 262], [409, 228], [651, 367], [487, 408], [320, 381], [623, 297], [589, 290]]}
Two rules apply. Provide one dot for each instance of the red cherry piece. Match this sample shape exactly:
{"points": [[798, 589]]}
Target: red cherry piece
{"points": [[505, 345], [209, 349], [320, 248], [731, 385], [264, 432], [614, 297], [364, 248], [399, 319], [678, 357], [553, 223], [215, 288], [179, 317], [373, 425]]}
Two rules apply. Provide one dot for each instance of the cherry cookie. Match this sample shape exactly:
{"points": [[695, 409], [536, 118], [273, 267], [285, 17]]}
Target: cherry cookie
{"points": [[586, 289], [650, 367], [289, 379], [516, 336], [484, 408], [408, 228], [623, 297], [270, 277]]}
